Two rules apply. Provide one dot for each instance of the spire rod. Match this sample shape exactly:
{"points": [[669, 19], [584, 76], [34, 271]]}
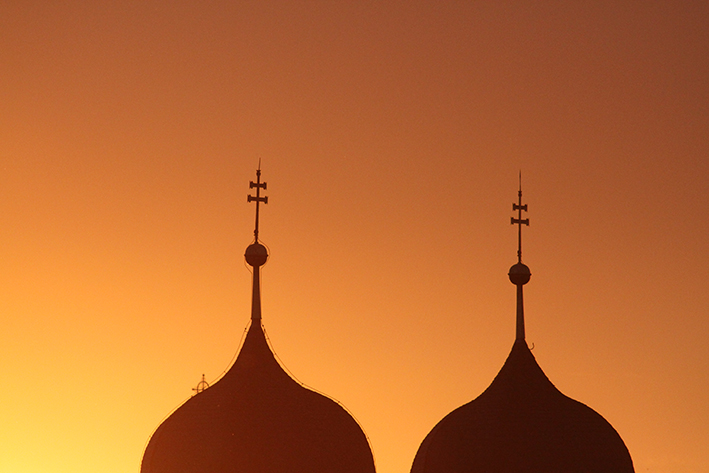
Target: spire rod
{"points": [[519, 273], [519, 221], [256, 254], [258, 199]]}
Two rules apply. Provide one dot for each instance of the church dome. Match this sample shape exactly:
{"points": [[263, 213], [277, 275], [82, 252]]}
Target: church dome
{"points": [[522, 422], [256, 418]]}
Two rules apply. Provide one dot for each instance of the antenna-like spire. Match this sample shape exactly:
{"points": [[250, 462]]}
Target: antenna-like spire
{"points": [[258, 199], [519, 221], [256, 254], [519, 273]]}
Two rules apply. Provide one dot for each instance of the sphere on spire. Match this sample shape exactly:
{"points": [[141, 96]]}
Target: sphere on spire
{"points": [[519, 274], [256, 254]]}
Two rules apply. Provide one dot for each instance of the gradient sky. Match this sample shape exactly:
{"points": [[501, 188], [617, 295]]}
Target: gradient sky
{"points": [[391, 135]]}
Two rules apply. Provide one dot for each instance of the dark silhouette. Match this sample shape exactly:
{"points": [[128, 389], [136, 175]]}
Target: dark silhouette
{"points": [[522, 423], [257, 419]]}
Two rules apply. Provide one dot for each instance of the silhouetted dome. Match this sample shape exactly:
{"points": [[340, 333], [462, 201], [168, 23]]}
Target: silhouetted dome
{"points": [[522, 423], [257, 419]]}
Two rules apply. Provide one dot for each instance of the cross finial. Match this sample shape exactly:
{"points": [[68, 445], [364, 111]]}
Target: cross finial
{"points": [[258, 199], [201, 386], [519, 220]]}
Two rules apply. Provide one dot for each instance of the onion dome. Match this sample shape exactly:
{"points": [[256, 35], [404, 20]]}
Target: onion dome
{"points": [[522, 422], [256, 418]]}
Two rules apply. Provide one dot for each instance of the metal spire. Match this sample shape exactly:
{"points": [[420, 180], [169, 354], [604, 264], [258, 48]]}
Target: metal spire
{"points": [[519, 273], [518, 221], [258, 199], [256, 254]]}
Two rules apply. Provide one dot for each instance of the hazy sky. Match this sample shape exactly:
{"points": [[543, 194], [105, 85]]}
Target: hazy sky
{"points": [[391, 135]]}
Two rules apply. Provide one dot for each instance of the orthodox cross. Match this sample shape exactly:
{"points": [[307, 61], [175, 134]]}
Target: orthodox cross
{"points": [[258, 199], [519, 220]]}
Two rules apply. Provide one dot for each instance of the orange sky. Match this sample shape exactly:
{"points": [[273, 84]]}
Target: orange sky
{"points": [[391, 135]]}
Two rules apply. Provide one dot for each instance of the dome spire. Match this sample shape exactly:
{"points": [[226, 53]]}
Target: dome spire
{"points": [[256, 417], [522, 422], [256, 254], [519, 273]]}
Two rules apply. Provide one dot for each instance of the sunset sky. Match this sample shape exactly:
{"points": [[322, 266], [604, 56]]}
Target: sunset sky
{"points": [[391, 135]]}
